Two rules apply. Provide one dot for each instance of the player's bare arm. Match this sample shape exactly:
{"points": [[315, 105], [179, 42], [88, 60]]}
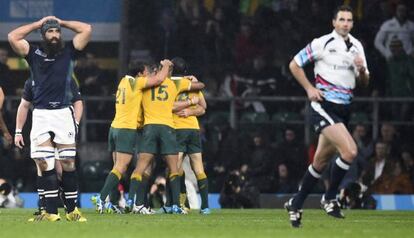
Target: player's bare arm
{"points": [[180, 105], [197, 110], [314, 94], [21, 117], [78, 108], [1, 98], [83, 32], [160, 76], [3, 126], [192, 78], [16, 37], [193, 111], [202, 103], [196, 86]]}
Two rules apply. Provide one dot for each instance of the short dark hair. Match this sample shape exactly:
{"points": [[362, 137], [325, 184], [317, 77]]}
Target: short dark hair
{"points": [[343, 8], [137, 66], [180, 66]]}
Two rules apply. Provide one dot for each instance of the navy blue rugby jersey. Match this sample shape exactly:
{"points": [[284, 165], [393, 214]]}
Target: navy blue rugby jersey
{"points": [[28, 91], [52, 77]]}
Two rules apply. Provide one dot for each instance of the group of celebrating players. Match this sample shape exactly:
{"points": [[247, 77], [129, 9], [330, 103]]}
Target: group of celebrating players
{"points": [[156, 113]]}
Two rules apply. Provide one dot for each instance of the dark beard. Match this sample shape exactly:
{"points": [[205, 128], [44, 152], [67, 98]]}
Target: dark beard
{"points": [[52, 49]]}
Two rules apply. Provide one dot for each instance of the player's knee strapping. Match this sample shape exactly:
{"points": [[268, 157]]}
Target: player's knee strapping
{"points": [[46, 154], [67, 153]]}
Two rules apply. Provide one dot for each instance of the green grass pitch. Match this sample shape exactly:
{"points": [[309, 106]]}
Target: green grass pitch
{"points": [[221, 223]]}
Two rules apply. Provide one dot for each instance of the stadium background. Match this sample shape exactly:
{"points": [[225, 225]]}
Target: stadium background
{"points": [[240, 49]]}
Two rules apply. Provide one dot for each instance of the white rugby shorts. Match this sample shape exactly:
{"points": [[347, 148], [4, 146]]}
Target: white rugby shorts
{"points": [[60, 122]]}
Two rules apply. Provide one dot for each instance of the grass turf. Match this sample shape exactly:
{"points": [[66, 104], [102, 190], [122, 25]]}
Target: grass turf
{"points": [[221, 223]]}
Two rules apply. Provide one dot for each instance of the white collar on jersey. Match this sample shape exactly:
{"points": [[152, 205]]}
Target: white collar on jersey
{"points": [[337, 36]]}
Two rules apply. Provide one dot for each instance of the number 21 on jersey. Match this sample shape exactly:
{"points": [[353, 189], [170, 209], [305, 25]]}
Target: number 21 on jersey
{"points": [[120, 96]]}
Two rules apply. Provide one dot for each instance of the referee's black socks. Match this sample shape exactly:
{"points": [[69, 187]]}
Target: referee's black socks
{"points": [[338, 171], [309, 180]]}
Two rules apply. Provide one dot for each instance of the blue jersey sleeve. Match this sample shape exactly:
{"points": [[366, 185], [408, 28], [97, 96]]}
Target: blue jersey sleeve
{"points": [[29, 56], [27, 90], [74, 52], [75, 91]]}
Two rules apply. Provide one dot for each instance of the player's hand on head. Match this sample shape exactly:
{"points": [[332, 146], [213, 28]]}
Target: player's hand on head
{"points": [[58, 20], [314, 94], [39, 23], [44, 19], [47, 18]]}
